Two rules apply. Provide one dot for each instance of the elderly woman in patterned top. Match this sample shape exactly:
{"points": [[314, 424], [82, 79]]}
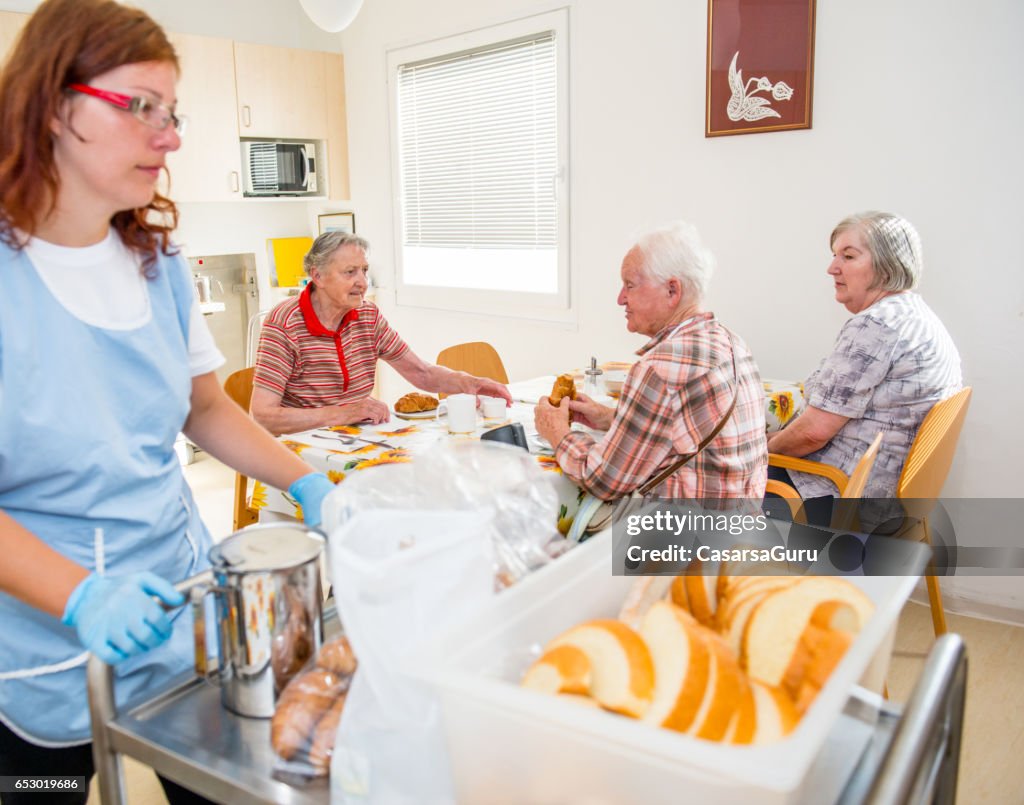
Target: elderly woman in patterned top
{"points": [[893, 360]]}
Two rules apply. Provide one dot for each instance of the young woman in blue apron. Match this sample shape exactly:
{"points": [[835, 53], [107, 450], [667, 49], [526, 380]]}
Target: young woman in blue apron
{"points": [[104, 359]]}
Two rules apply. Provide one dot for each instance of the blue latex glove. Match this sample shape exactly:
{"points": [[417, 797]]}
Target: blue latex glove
{"points": [[310, 491], [116, 618]]}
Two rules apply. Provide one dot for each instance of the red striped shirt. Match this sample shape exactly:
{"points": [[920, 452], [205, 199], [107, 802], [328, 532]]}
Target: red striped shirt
{"points": [[304, 369]]}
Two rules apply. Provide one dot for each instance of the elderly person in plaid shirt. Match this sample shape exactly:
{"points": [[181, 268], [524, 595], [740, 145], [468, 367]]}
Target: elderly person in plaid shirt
{"points": [[675, 395]]}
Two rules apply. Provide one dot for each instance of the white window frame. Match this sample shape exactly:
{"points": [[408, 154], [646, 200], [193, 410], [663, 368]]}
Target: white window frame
{"points": [[556, 307]]}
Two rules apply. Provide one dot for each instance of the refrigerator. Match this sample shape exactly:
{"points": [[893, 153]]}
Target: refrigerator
{"points": [[231, 309]]}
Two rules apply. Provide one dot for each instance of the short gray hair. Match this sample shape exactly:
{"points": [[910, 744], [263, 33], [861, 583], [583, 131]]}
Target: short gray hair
{"points": [[324, 247], [675, 251], [894, 245]]}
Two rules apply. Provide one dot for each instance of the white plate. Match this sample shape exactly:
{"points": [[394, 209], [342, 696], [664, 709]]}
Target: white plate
{"points": [[416, 414]]}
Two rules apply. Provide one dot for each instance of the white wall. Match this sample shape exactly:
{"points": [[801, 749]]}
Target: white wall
{"points": [[244, 226], [915, 111], [266, 22]]}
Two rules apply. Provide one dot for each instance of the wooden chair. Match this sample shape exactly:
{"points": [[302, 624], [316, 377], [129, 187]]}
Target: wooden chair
{"points": [[238, 387], [476, 357], [924, 472], [850, 488]]}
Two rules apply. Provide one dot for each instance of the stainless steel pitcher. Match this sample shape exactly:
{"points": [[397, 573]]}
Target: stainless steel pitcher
{"points": [[266, 586]]}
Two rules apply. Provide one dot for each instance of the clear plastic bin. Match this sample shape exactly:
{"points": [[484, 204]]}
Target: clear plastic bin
{"points": [[512, 745]]}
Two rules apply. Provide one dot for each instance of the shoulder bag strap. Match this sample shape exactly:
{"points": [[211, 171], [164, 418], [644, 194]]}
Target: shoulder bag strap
{"points": [[657, 480]]}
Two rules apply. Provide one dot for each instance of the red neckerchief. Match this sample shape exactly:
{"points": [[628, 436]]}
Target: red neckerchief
{"points": [[316, 328]]}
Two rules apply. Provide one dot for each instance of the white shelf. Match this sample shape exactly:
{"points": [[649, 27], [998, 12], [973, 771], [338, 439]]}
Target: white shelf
{"points": [[206, 308]]}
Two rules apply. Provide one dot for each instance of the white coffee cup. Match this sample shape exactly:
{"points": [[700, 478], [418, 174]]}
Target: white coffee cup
{"points": [[493, 407], [461, 413]]}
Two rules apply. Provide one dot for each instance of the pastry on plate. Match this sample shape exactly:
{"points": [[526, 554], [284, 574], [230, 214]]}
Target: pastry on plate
{"points": [[414, 403]]}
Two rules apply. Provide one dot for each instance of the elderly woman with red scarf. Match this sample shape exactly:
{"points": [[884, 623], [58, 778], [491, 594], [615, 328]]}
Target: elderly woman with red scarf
{"points": [[318, 352]]}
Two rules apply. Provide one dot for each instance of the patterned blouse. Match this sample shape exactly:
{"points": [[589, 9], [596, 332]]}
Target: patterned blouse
{"points": [[891, 363], [672, 398]]}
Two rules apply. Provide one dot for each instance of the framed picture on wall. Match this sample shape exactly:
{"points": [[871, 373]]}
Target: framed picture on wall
{"points": [[760, 68], [337, 221]]}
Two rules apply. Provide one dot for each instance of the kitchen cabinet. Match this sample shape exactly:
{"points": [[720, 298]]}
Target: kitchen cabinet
{"points": [[281, 92], [337, 127], [10, 24], [208, 166], [236, 89]]}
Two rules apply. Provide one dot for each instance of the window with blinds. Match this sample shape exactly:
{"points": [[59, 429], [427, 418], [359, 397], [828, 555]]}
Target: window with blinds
{"points": [[480, 151]]}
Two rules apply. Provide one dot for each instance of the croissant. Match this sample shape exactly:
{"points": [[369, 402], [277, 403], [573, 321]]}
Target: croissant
{"points": [[564, 387], [414, 402]]}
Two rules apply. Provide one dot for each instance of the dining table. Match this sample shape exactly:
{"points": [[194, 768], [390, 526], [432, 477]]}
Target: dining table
{"points": [[339, 451]]}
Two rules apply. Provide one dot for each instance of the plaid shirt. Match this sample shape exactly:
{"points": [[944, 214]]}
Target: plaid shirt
{"points": [[673, 397]]}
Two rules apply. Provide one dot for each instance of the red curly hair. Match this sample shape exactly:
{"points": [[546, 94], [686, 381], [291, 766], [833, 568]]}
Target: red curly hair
{"points": [[67, 42]]}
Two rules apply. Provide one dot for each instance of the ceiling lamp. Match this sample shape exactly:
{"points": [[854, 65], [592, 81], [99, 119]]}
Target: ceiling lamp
{"points": [[331, 15]]}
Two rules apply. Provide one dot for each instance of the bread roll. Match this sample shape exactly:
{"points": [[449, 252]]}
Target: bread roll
{"points": [[324, 735], [622, 674], [337, 656], [564, 387], [565, 669], [303, 703], [292, 648], [682, 663]]}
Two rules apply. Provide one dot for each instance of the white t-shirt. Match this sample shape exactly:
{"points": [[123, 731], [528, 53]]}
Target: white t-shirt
{"points": [[102, 286]]}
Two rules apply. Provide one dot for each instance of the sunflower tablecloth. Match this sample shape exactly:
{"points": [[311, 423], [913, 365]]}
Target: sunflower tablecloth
{"points": [[784, 399], [324, 450]]}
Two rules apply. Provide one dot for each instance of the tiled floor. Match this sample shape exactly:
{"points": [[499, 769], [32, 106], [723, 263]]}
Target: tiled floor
{"points": [[992, 761], [991, 765]]}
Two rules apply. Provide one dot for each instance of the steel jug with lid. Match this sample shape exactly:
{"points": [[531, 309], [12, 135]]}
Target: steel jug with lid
{"points": [[269, 606]]}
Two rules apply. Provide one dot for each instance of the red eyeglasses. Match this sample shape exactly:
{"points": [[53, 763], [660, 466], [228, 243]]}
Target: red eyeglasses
{"points": [[155, 115]]}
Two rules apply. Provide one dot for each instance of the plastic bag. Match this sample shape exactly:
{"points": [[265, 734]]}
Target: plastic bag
{"points": [[305, 721], [466, 476], [401, 577]]}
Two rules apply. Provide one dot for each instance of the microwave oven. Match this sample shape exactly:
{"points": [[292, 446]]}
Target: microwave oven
{"points": [[282, 168]]}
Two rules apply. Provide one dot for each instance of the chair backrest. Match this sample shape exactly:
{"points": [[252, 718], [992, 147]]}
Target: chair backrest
{"points": [[253, 337], [238, 386], [931, 454], [476, 357], [859, 476], [845, 513]]}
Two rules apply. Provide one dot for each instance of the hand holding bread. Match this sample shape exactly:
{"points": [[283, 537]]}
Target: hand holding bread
{"points": [[564, 386]]}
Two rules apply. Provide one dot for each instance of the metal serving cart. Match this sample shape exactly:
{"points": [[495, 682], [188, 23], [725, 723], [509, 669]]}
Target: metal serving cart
{"points": [[186, 735]]}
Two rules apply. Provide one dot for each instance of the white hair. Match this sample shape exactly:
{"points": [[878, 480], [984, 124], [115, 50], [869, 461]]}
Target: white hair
{"points": [[324, 247], [675, 251]]}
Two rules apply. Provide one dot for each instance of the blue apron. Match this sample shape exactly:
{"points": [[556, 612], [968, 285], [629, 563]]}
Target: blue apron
{"points": [[88, 419]]}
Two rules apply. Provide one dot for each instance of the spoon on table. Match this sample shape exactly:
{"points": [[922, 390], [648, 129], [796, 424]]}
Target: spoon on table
{"points": [[345, 439]]}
